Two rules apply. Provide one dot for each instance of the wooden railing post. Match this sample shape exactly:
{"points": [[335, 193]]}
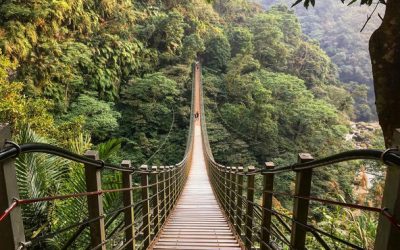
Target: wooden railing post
{"points": [[168, 190], [300, 206], [127, 199], [146, 206], [177, 182], [226, 188], [11, 228], [268, 187], [239, 202], [156, 199], [250, 208], [174, 185], [161, 187], [218, 173], [95, 202], [388, 236], [233, 195]]}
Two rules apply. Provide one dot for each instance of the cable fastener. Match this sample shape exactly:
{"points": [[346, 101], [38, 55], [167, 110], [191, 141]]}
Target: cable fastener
{"points": [[384, 153], [14, 145]]}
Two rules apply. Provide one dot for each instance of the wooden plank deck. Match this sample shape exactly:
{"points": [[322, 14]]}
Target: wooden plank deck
{"points": [[197, 221]]}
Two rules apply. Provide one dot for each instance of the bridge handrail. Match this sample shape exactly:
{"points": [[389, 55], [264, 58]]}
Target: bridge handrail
{"points": [[160, 187], [227, 183]]}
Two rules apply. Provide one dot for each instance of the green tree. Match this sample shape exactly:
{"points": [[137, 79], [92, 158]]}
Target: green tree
{"points": [[100, 118], [148, 105], [217, 53], [385, 62], [241, 41]]}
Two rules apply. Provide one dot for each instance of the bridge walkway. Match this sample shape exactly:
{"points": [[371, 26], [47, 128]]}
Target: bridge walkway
{"points": [[197, 221]]}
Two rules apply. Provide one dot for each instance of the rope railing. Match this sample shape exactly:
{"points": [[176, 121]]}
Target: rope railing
{"points": [[259, 225]]}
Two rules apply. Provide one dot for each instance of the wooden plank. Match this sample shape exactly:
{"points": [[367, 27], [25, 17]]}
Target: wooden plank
{"points": [[197, 221]]}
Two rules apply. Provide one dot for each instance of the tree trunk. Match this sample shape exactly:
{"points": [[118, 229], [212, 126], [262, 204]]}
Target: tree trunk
{"points": [[384, 47]]}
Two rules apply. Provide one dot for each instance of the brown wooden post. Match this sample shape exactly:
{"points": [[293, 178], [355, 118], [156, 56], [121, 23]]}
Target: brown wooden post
{"points": [[233, 195], [127, 199], [161, 188], [176, 193], [300, 206], [12, 227], [174, 179], [156, 200], [239, 202], [146, 207], [95, 202], [226, 188], [250, 208], [217, 181], [268, 187], [387, 235], [168, 190]]}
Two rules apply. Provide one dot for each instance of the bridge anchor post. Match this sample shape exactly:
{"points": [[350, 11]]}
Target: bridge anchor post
{"points": [[388, 236]]}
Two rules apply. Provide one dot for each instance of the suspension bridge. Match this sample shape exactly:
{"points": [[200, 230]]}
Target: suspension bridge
{"points": [[197, 203]]}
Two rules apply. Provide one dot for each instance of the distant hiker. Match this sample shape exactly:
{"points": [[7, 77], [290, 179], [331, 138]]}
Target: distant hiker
{"points": [[196, 115]]}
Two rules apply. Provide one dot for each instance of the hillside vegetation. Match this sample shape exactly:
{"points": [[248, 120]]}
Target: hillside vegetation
{"points": [[116, 76], [337, 28]]}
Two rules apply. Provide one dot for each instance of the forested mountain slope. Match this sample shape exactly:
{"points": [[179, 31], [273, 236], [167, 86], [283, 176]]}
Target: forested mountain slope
{"points": [[116, 76], [337, 27]]}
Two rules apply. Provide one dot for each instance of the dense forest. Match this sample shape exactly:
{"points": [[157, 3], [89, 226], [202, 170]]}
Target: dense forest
{"points": [[116, 76], [343, 33]]}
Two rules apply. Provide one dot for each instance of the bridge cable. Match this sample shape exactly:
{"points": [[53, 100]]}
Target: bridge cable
{"points": [[231, 127], [165, 139]]}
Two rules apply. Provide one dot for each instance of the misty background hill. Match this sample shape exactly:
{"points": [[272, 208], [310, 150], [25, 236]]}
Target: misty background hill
{"points": [[337, 27]]}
